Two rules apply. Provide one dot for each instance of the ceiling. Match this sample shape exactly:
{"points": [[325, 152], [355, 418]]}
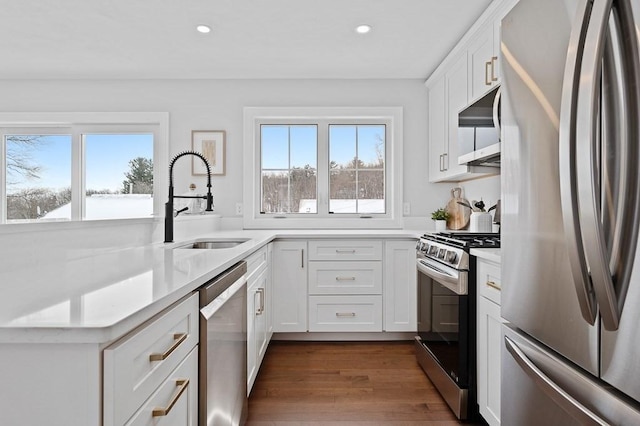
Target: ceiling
{"points": [[146, 39]]}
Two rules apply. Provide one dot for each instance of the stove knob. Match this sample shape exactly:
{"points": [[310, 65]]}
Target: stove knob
{"points": [[433, 251], [425, 248], [451, 257]]}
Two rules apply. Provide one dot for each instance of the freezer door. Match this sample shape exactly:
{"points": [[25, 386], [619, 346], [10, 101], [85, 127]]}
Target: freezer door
{"points": [[546, 390], [538, 291]]}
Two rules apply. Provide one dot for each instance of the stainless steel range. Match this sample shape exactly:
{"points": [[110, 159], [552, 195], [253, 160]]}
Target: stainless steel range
{"points": [[445, 344]]}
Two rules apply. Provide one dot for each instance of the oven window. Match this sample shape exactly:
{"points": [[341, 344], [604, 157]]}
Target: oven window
{"points": [[442, 326]]}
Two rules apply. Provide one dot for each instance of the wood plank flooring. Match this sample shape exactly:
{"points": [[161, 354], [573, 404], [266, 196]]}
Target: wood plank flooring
{"points": [[344, 383]]}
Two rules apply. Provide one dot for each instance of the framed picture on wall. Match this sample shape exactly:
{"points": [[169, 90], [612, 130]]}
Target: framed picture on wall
{"points": [[211, 144]]}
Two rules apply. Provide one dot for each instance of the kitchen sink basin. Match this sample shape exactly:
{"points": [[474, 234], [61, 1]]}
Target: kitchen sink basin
{"points": [[214, 244]]}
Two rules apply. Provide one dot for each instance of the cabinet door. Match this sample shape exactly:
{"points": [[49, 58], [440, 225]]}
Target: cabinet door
{"points": [[482, 64], [400, 286], [488, 346], [289, 286], [257, 337], [269, 291], [457, 98], [437, 130]]}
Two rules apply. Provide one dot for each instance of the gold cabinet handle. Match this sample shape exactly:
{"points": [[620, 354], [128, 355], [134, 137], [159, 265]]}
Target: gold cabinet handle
{"points": [[178, 338], [345, 314], [182, 386], [345, 278], [493, 68], [494, 285]]}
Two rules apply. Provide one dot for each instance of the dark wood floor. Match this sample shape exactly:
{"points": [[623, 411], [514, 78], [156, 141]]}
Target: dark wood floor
{"points": [[354, 383]]}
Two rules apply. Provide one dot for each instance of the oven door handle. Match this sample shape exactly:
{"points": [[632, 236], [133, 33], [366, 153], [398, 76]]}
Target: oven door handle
{"points": [[456, 284]]}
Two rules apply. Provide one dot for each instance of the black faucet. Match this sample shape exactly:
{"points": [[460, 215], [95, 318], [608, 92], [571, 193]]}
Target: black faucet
{"points": [[168, 206]]}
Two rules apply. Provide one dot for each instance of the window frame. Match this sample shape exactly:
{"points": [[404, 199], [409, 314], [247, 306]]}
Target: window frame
{"points": [[76, 125], [392, 117]]}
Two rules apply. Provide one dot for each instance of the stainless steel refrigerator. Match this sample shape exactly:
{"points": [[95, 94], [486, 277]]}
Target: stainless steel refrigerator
{"points": [[571, 213]]}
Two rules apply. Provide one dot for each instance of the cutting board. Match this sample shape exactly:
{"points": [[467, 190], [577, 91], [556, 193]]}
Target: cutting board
{"points": [[458, 214]]}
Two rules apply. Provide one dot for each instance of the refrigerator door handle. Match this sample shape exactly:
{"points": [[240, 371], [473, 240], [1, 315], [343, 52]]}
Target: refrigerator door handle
{"points": [[567, 169], [607, 17], [569, 404]]}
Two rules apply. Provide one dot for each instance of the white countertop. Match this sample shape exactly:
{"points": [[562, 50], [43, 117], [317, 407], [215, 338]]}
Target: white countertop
{"points": [[98, 298], [492, 254]]}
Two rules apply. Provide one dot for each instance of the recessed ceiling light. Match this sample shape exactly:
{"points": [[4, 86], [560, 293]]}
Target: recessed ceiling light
{"points": [[363, 29], [203, 29]]}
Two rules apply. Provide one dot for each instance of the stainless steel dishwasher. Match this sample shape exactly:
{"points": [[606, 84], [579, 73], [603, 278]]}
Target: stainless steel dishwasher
{"points": [[223, 349]]}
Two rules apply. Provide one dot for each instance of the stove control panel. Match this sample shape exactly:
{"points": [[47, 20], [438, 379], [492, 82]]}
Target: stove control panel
{"points": [[455, 257]]}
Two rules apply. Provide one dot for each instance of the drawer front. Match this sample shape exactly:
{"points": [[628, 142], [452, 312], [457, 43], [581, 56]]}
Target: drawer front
{"points": [[175, 403], [489, 280], [137, 364], [256, 262], [345, 313], [345, 277], [345, 250]]}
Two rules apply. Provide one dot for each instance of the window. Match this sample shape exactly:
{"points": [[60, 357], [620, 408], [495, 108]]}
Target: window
{"points": [[323, 167], [74, 170]]}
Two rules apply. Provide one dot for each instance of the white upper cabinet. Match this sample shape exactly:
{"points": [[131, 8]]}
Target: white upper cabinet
{"points": [[469, 72], [483, 62], [438, 142]]}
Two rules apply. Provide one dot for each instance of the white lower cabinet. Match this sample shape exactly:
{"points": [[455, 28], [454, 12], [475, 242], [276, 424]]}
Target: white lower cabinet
{"points": [[257, 313], [489, 340], [289, 286], [345, 285], [400, 292], [148, 363]]}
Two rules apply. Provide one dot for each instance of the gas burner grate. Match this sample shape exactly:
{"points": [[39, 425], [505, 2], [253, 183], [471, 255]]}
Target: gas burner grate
{"points": [[466, 240]]}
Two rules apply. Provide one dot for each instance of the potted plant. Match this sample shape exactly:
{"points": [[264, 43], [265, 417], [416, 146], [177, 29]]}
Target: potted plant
{"points": [[440, 216]]}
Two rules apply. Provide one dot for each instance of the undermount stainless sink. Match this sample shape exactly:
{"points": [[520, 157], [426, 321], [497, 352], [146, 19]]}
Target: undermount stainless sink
{"points": [[214, 244]]}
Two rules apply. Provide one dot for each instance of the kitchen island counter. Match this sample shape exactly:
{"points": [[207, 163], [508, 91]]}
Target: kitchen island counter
{"points": [[98, 297]]}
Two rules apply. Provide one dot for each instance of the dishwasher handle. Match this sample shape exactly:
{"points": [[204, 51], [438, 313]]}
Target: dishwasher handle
{"points": [[207, 312], [211, 290]]}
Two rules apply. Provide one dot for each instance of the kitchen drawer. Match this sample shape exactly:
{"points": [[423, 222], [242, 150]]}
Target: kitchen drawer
{"points": [[345, 313], [176, 401], [488, 280], [345, 277], [345, 250], [138, 363], [256, 262]]}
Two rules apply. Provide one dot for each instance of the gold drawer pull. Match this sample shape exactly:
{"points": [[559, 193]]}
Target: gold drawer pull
{"points": [[494, 285], [345, 278], [345, 314], [182, 386], [179, 338]]}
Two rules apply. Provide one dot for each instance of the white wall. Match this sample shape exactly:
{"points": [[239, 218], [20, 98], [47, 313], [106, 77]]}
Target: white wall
{"points": [[218, 104]]}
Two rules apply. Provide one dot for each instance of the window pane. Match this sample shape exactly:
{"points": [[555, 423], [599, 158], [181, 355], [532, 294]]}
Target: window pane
{"points": [[289, 168], [371, 145], [275, 192], [274, 146], [371, 192], [118, 175], [343, 191], [304, 146], [38, 177], [304, 190], [342, 145]]}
